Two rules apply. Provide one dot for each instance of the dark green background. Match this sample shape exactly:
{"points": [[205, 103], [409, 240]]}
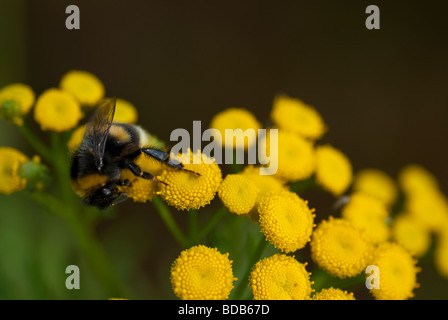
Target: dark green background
{"points": [[383, 94]]}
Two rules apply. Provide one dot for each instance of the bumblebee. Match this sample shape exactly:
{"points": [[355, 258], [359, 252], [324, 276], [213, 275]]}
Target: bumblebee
{"points": [[106, 149]]}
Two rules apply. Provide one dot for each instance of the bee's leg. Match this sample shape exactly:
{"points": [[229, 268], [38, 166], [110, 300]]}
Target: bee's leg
{"points": [[136, 170], [164, 157], [124, 183]]}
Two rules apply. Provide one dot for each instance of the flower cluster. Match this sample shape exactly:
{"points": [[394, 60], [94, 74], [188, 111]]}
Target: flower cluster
{"points": [[376, 220], [368, 231]]}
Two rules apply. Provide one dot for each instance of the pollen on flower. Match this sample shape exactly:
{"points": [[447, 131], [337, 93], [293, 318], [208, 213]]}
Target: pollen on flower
{"points": [[202, 273], [333, 294], [376, 183], [295, 155], [340, 248], [292, 115], [57, 110], [333, 169], [16, 100], [84, 86], [236, 118], [368, 214], [10, 162], [286, 220], [398, 273], [411, 234], [186, 190], [238, 193], [280, 277], [125, 112]]}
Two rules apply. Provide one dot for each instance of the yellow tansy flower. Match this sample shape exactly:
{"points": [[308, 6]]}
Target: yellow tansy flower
{"points": [[430, 208], [411, 234], [238, 193], [441, 253], [368, 214], [76, 138], [415, 178], [186, 190], [235, 118], [84, 86], [264, 184], [340, 248], [293, 115], [202, 273], [280, 277], [125, 112], [333, 169], [16, 100], [398, 273], [286, 220], [10, 162], [295, 156], [333, 294], [376, 183], [57, 110]]}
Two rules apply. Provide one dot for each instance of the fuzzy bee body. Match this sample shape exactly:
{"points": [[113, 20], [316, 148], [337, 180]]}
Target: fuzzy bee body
{"points": [[106, 149]]}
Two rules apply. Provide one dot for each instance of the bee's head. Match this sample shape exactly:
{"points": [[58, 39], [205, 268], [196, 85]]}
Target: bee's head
{"points": [[103, 197]]}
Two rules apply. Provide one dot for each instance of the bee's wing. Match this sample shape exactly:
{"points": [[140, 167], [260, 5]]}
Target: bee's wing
{"points": [[98, 129]]}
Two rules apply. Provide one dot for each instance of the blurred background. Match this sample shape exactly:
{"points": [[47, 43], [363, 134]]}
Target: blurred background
{"points": [[383, 94]]}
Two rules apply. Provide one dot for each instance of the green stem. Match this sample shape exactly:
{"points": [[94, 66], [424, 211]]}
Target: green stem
{"points": [[303, 185], [212, 222], [165, 214], [97, 259], [35, 142], [324, 280], [71, 209], [239, 291]]}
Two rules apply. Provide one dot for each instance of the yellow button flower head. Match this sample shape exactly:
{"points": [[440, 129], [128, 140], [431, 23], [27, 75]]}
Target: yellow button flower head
{"points": [[333, 169], [411, 234], [293, 115], [398, 273], [84, 86], [125, 112], [340, 248], [415, 178], [202, 273], [57, 110], [333, 294], [441, 253], [286, 220], [76, 138], [186, 190], [369, 215], [238, 193], [10, 162], [296, 158], [16, 100], [376, 183], [280, 277], [430, 208], [264, 184], [235, 118]]}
